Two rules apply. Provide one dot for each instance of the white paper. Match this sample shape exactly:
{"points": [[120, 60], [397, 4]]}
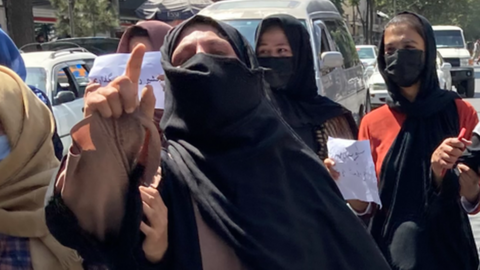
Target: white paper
{"points": [[353, 160], [108, 67]]}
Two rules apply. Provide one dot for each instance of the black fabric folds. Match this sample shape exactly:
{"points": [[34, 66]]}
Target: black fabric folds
{"points": [[256, 185], [421, 227], [299, 103]]}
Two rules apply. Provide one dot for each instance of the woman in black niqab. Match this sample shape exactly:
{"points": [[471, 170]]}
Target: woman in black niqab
{"points": [[255, 184], [292, 81], [234, 174], [423, 223]]}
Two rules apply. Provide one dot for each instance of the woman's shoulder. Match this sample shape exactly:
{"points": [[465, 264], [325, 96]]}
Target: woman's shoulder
{"points": [[381, 116], [465, 108]]}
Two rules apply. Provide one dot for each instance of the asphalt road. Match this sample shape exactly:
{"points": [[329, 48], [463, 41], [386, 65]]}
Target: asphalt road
{"points": [[475, 220]]}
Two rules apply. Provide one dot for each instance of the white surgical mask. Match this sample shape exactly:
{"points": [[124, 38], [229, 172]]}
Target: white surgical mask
{"points": [[4, 147]]}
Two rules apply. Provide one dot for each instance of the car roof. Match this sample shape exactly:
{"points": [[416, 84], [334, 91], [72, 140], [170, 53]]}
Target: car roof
{"points": [[45, 58], [255, 9], [446, 27]]}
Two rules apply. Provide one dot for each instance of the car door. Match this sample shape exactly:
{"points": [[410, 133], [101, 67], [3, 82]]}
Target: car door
{"points": [[353, 93], [329, 81], [69, 76]]}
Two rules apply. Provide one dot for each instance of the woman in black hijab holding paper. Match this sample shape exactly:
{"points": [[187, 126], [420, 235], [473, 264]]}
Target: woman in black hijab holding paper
{"points": [[242, 191], [423, 223], [283, 48]]}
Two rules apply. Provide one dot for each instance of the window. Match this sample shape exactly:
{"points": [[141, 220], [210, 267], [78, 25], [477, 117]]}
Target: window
{"points": [[73, 77], [343, 42], [37, 77], [366, 53], [248, 28], [449, 39]]}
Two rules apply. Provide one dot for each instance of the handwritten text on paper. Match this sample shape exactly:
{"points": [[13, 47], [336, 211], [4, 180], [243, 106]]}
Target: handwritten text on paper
{"points": [[354, 162], [108, 67]]}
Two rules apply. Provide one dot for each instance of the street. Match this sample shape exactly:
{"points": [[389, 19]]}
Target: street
{"points": [[475, 220]]}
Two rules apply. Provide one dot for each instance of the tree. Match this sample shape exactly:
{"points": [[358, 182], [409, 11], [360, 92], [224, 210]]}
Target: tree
{"points": [[339, 5], [90, 17], [20, 23]]}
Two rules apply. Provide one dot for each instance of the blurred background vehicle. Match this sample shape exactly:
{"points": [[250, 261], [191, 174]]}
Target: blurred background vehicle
{"points": [[451, 45], [96, 45], [63, 76]]}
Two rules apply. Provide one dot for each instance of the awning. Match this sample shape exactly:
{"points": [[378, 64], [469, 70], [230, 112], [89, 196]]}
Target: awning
{"points": [[170, 10]]}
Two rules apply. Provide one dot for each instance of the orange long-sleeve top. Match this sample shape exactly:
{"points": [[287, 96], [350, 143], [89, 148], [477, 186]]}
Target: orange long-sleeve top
{"points": [[382, 126]]}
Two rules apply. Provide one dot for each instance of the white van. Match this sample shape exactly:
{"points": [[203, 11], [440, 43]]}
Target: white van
{"points": [[339, 69], [451, 45]]}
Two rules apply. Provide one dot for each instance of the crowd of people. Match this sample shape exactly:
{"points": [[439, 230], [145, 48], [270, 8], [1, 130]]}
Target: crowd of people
{"points": [[234, 173]]}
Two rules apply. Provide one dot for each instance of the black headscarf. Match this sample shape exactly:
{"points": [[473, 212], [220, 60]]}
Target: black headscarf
{"points": [[300, 105], [256, 185], [420, 227]]}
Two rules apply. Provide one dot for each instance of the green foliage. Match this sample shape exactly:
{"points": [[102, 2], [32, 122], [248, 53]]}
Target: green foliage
{"points": [[90, 17], [339, 5], [463, 13]]}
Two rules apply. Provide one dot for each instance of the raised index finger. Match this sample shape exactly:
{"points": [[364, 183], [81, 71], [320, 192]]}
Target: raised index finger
{"points": [[134, 65]]}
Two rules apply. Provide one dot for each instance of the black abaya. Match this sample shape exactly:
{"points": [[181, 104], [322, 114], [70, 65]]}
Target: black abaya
{"points": [[256, 185], [421, 227]]}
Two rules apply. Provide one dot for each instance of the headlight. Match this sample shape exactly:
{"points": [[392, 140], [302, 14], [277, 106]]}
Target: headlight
{"points": [[464, 62]]}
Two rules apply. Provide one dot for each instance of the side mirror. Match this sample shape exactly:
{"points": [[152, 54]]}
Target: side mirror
{"points": [[332, 59], [64, 97], [447, 66]]}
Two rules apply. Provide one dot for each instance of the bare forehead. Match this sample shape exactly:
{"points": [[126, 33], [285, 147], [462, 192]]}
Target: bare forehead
{"points": [[201, 29], [402, 33]]}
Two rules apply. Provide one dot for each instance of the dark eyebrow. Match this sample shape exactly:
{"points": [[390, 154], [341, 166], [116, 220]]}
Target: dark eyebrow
{"points": [[408, 41]]}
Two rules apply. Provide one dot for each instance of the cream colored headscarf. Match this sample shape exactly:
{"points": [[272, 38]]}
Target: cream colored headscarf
{"points": [[26, 172]]}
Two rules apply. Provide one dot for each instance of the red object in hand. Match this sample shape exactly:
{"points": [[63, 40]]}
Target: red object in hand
{"points": [[461, 138]]}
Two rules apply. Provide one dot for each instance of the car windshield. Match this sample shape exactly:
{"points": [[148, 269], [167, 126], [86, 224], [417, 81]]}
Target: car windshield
{"points": [[248, 27], [449, 39], [37, 77], [366, 53]]}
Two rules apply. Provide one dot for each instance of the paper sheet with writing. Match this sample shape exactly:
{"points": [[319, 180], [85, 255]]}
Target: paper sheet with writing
{"points": [[353, 160], [108, 67]]}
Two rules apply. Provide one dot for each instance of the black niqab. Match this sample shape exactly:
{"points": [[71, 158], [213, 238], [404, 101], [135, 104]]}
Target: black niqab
{"points": [[300, 105], [420, 227], [255, 184]]}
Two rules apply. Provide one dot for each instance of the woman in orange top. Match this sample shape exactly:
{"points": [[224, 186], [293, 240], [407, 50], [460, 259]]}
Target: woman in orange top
{"points": [[423, 223]]}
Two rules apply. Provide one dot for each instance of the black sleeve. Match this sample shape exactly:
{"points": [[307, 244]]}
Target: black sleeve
{"points": [[119, 251]]}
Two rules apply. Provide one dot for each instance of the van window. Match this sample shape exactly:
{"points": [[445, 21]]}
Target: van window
{"points": [[343, 41], [248, 28], [449, 39]]}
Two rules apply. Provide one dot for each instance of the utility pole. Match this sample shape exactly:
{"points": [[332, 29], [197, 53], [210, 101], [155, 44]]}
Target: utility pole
{"points": [[70, 15]]}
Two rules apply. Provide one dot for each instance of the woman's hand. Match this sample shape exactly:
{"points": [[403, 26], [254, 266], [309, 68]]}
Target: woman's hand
{"points": [[329, 163], [469, 184], [358, 206], [156, 232], [446, 155], [121, 95]]}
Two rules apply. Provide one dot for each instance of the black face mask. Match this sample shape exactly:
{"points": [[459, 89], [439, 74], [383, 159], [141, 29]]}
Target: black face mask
{"points": [[207, 96], [279, 73], [405, 66]]}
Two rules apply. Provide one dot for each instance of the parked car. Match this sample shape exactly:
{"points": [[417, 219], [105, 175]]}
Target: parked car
{"points": [[451, 45], [96, 45], [63, 76], [368, 55], [338, 68], [378, 88]]}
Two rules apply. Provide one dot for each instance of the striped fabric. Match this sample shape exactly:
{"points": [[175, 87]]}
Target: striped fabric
{"points": [[14, 253], [337, 127]]}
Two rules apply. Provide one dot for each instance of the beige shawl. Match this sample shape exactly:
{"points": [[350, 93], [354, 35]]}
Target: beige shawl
{"points": [[26, 173]]}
